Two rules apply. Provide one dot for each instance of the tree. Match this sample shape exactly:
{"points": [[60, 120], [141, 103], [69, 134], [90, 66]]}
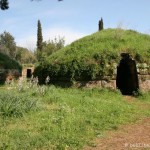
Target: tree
{"points": [[7, 44], [24, 56], [101, 25], [39, 40], [39, 36], [52, 46], [4, 4]]}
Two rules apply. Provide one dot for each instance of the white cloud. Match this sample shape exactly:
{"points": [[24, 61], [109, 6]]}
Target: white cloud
{"points": [[28, 42], [9, 21], [69, 35], [54, 13], [8, 24]]}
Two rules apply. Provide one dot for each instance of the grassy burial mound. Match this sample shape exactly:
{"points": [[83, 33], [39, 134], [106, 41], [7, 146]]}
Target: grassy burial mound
{"points": [[8, 67], [95, 56]]}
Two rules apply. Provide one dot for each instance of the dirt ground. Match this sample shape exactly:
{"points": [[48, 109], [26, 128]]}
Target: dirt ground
{"points": [[134, 136]]}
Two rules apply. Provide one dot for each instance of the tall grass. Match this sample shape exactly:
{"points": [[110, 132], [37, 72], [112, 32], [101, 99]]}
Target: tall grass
{"points": [[15, 105]]}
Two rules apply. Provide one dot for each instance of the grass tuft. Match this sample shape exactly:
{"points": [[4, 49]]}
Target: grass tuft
{"points": [[15, 105]]}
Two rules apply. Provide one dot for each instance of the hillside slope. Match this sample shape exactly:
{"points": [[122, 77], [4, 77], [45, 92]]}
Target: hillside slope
{"points": [[113, 41]]}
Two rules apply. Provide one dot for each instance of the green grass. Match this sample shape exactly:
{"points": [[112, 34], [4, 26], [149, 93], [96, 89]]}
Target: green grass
{"points": [[111, 41], [63, 118]]}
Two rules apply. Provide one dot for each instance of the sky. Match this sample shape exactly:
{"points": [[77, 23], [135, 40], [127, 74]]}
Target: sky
{"points": [[71, 19]]}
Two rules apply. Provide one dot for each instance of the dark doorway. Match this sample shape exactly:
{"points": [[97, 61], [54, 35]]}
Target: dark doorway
{"points": [[127, 77], [29, 73]]}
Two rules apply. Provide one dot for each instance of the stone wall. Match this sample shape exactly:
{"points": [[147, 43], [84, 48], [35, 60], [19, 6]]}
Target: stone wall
{"points": [[110, 82], [144, 83], [24, 71], [143, 70]]}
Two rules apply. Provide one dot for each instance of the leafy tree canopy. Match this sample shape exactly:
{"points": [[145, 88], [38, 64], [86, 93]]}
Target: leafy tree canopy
{"points": [[51, 46], [4, 4], [24, 56], [7, 44], [8, 47]]}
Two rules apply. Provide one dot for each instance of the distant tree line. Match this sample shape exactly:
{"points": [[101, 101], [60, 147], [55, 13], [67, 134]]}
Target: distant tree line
{"points": [[23, 55], [8, 47]]}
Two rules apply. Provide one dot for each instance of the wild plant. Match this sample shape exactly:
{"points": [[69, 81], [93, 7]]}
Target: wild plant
{"points": [[42, 90], [24, 84], [47, 80], [9, 82], [20, 85], [32, 86], [35, 80]]}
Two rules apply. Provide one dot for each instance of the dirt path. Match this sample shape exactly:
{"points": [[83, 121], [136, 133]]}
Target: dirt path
{"points": [[134, 136]]}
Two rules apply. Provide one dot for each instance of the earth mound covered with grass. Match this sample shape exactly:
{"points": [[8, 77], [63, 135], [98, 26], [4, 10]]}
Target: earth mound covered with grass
{"points": [[95, 56]]}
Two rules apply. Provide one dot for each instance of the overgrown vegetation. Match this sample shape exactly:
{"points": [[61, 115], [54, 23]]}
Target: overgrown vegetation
{"points": [[64, 118], [95, 56]]}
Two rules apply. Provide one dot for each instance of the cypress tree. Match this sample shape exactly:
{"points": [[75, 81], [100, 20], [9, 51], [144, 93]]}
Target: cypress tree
{"points": [[39, 40], [39, 36], [101, 25]]}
